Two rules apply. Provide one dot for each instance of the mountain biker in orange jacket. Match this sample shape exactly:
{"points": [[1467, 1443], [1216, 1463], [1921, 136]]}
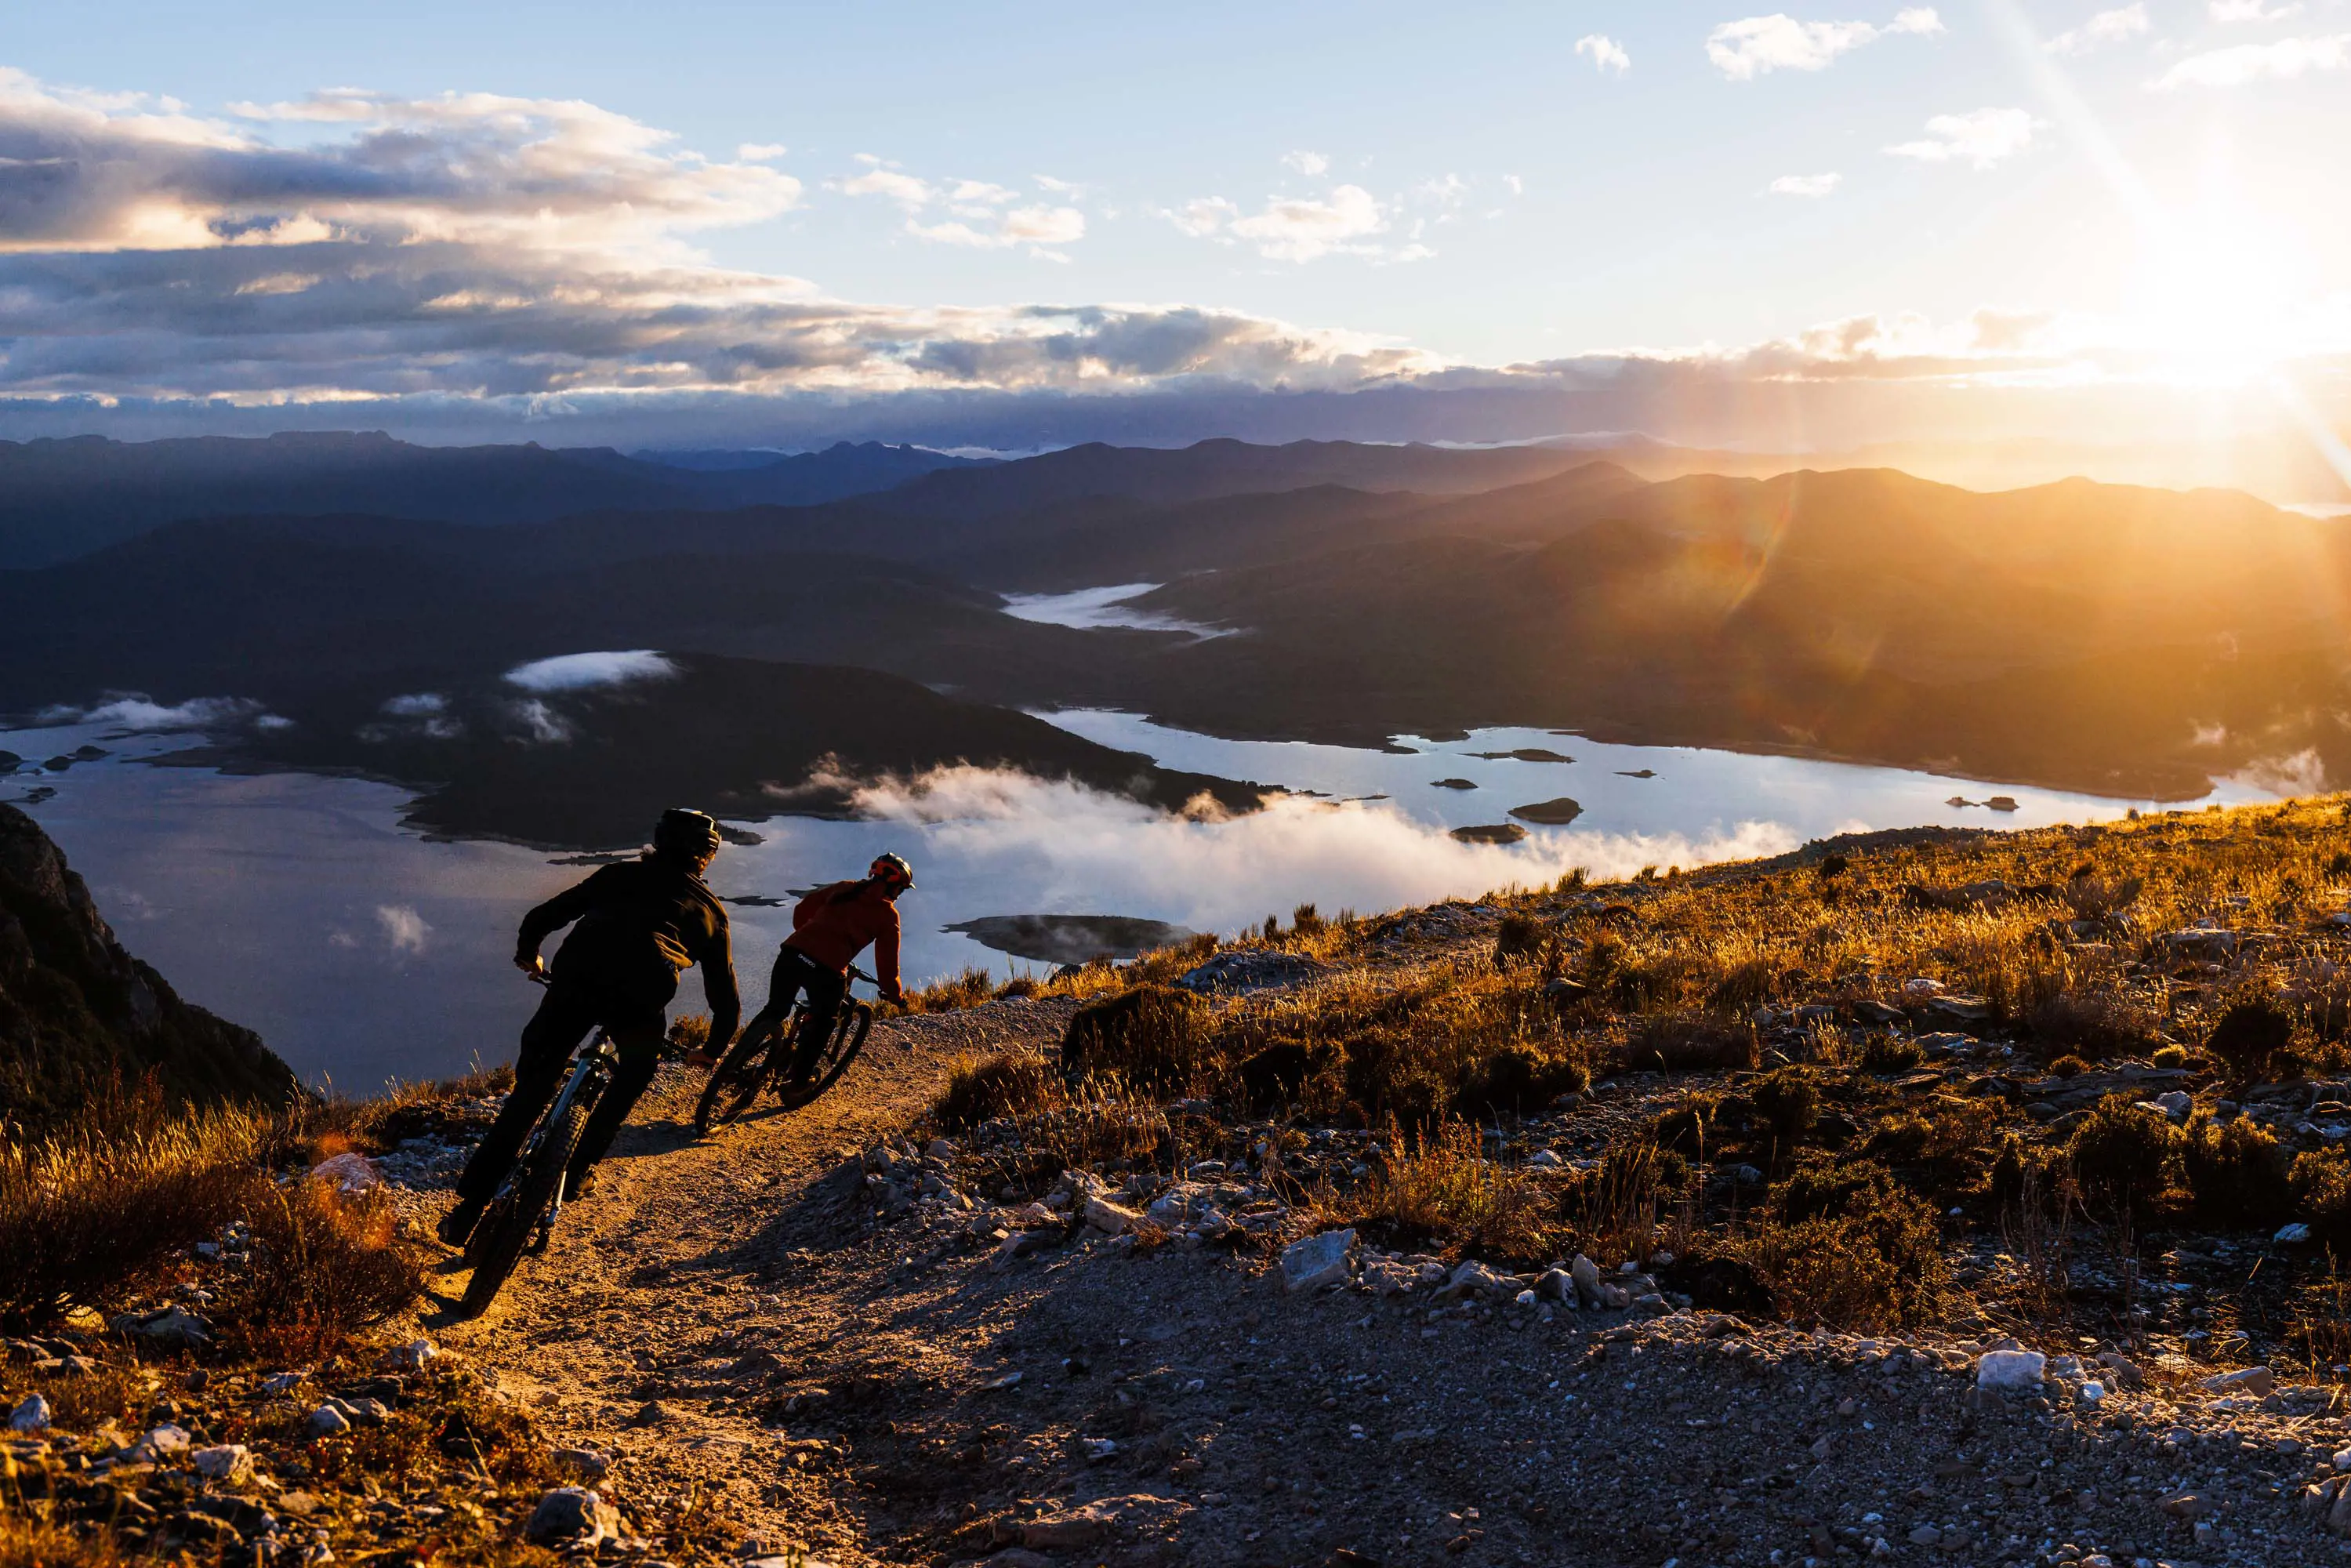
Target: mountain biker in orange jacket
{"points": [[635, 926], [830, 927]]}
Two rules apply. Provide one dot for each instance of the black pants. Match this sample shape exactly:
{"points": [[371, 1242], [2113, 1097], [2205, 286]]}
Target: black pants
{"points": [[795, 974], [564, 1018]]}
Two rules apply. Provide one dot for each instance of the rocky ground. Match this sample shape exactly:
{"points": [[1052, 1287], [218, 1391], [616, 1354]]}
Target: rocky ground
{"points": [[1155, 1332]]}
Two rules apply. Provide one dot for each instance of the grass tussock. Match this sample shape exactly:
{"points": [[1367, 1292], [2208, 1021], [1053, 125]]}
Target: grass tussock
{"points": [[1444, 1193], [983, 1088]]}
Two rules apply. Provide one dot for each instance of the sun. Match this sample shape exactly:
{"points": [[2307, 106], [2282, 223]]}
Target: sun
{"points": [[2215, 298]]}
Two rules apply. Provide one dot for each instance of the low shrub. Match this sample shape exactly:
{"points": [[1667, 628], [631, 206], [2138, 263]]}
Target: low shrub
{"points": [[1851, 1247], [968, 990], [1787, 1102], [2122, 1152], [1446, 1193], [2095, 1024], [1515, 1082], [1280, 1074], [91, 1210], [1148, 1038], [1888, 1054], [2320, 1183], [1520, 939], [2252, 1041], [2068, 1067], [1612, 1208], [2171, 1057], [324, 1266], [1694, 1042], [2235, 1174], [982, 1088]]}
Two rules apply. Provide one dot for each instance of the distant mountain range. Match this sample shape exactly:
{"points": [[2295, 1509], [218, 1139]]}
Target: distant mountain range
{"points": [[61, 499], [2102, 637]]}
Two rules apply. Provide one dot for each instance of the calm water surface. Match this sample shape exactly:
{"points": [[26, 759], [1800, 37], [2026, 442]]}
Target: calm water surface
{"points": [[362, 951]]}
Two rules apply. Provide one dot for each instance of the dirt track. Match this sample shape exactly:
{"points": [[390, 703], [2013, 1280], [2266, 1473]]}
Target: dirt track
{"points": [[738, 1324], [682, 1279]]}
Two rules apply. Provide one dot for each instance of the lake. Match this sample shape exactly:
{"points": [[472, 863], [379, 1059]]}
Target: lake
{"points": [[361, 951]]}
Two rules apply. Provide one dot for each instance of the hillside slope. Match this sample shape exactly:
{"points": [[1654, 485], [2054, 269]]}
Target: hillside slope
{"points": [[78, 1015]]}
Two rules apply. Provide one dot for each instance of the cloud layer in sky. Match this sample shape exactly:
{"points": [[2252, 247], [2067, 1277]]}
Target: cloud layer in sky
{"points": [[2243, 63], [1755, 46], [1983, 138]]}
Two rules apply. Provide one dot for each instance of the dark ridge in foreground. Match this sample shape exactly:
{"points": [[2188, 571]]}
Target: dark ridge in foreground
{"points": [[79, 1015]]}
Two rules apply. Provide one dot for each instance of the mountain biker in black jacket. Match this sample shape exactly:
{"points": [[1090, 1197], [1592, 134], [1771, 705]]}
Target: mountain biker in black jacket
{"points": [[636, 927]]}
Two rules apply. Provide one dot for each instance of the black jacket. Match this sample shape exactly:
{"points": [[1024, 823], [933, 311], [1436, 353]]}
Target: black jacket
{"points": [[636, 927]]}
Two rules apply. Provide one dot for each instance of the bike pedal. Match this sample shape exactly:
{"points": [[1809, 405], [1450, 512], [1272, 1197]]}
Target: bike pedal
{"points": [[539, 1237]]}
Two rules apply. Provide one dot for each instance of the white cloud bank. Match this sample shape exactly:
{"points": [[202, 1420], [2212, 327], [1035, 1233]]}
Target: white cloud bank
{"points": [[1754, 46], [578, 671], [136, 711], [1810, 185], [1984, 137], [1215, 871], [2243, 63]]}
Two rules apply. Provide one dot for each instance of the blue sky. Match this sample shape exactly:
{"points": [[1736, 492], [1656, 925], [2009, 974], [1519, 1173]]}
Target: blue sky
{"points": [[1438, 189]]}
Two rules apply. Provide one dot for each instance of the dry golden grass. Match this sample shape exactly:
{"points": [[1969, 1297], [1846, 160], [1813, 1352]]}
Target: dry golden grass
{"points": [[982, 1088], [1444, 1194]]}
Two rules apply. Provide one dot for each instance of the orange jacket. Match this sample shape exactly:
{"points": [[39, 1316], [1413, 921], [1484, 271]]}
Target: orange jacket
{"points": [[834, 923]]}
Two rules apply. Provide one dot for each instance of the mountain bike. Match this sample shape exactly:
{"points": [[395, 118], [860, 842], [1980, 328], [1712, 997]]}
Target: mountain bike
{"points": [[522, 1215], [758, 1059]]}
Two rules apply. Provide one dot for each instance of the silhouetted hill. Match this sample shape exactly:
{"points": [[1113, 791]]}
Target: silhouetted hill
{"points": [[79, 1017], [802, 478], [591, 769], [1213, 468], [61, 499]]}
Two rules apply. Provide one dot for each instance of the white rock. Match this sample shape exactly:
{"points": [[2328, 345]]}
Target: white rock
{"points": [[162, 1443], [2092, 1393], [413, 1356], [1524, 1298], [2176, 1105], [2291, 1235], [325, 1421], [1543, 1159], [1313, 1262], [2010, 1369], [1109, 1217], [2255, 1380], [225, 1464], [1586, 1274], [1922, 987], [32, 1415], [348, 1172]]}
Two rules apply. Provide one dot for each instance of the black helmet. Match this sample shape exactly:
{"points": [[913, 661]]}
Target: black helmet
{"points": [[685, 831], [892, 871]]}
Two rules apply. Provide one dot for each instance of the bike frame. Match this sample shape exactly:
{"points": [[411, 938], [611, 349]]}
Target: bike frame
{"points": [[593, 1067]]}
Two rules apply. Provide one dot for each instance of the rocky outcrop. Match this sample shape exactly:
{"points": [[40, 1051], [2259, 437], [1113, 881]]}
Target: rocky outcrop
{"points": [[78, 1016]]}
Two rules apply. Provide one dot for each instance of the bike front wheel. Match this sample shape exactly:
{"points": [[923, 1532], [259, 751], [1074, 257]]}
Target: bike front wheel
{"points": [[497, 1242]]}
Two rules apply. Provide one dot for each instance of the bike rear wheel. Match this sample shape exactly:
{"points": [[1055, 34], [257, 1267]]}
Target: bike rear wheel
{"points": [[497, 1242], [735, 1081], [841, 1049]]}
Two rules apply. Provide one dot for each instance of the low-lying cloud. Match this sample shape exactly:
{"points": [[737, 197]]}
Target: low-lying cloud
{"points": [[578, 671], [1215, 871], [1981, 138], [136, 711]]}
